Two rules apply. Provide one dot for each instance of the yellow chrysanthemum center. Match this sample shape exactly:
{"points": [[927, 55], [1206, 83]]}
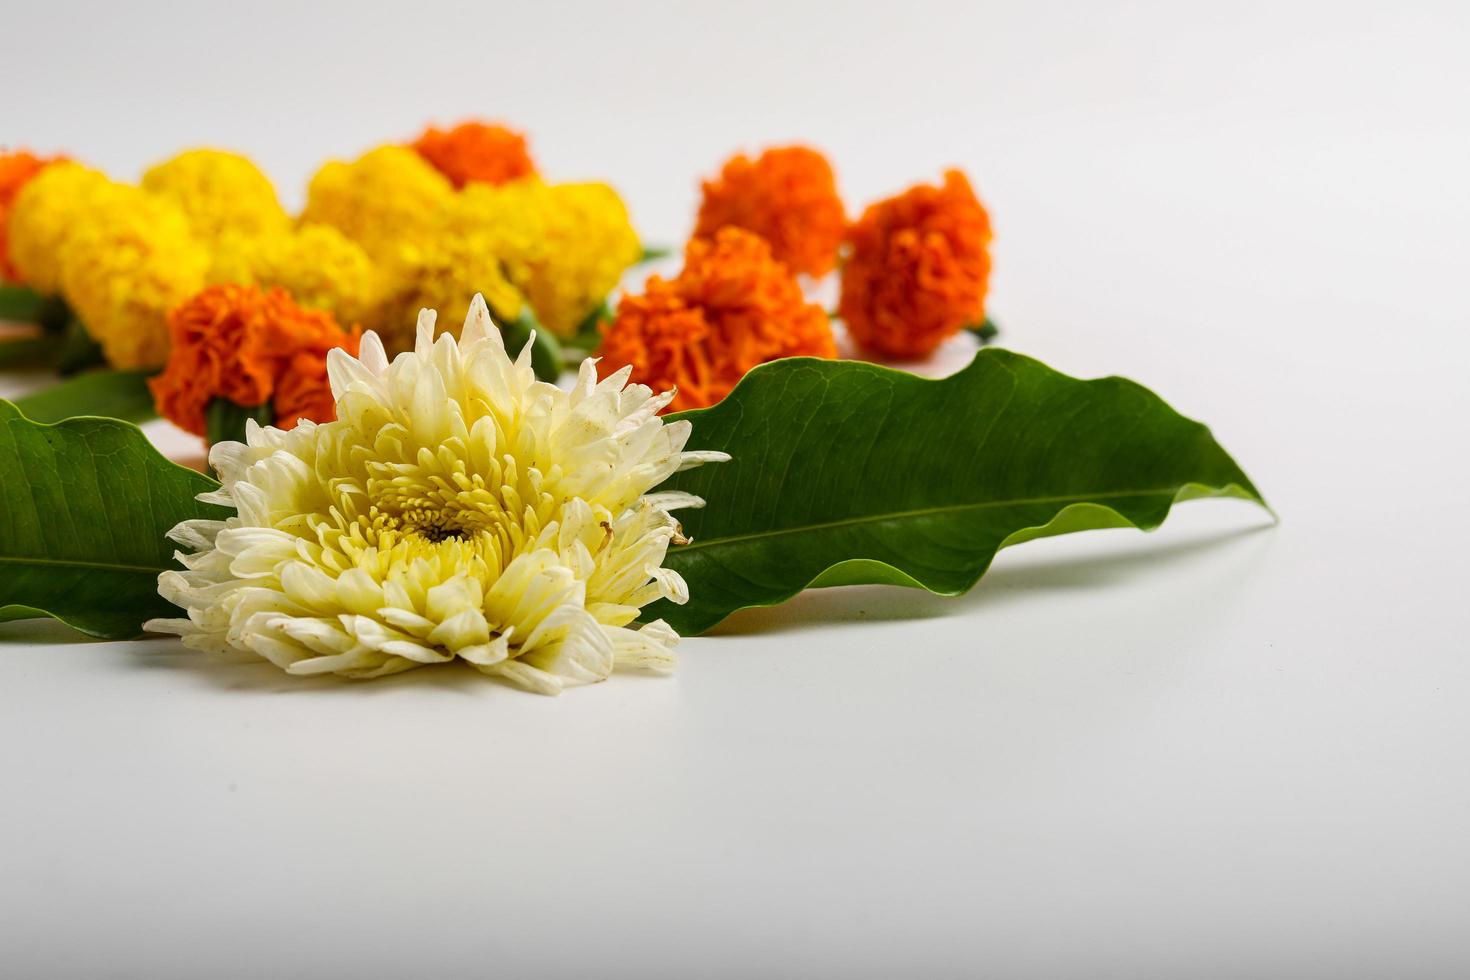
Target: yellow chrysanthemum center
{"points": [[437, 497]]}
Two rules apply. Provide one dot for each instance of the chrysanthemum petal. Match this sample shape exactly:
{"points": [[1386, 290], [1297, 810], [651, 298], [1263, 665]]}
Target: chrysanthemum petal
{"points": [[456, 508]]}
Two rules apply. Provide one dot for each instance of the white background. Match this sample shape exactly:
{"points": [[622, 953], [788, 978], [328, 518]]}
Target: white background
{"points": [[1227, 749]]}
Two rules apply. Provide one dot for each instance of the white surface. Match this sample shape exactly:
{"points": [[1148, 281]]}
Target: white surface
{"points": [[1228, 749]]}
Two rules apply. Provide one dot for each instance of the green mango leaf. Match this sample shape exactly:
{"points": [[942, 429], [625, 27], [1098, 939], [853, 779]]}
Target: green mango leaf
{"points": [[20, 304], [54, 345], [846, 473], [25, 351], [85, 507], [115, 394]]}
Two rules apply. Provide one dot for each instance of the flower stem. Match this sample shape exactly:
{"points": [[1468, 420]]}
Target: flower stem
{"points": [[224, 421], [24, 350], [77, 350], [652, 253], [985, 332]]}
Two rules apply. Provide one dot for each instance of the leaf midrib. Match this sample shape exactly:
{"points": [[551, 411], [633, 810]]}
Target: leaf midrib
{"points": [[74, 563], [1078, 498], [735, 539]]}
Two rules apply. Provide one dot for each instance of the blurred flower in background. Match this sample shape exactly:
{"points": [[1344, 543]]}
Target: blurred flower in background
{"points": [[462, 211], [788, 196], [124, 267], [319, 266], [220, 192], [443, 272], [47, 211], [251, 348], [564, 246], [16, 169], [387, 198], [476, 152], [732, 307], [918, 269]]}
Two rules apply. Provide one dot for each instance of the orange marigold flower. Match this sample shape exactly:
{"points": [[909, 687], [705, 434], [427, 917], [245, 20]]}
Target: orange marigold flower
{"points": [[788, 196], [918, 270], [252, 347], [732, 307], [476, 151], [15, 169]]}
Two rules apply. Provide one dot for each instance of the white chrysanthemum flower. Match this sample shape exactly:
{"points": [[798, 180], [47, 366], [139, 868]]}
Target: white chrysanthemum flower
{"points": [[458, 507]]}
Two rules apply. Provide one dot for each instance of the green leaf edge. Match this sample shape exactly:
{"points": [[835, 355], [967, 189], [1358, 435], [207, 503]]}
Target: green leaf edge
{"points": [[59, 397], [868, 571], [14, 612]]}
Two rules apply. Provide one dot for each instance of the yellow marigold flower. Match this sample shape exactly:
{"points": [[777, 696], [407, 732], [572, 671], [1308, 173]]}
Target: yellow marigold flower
{"points": [[219, 191], [17, 168], [234, 259], [457, 508], [565, 246], [124, 268], [386, 197], [319, 266], [47, 211], [439, 273]]}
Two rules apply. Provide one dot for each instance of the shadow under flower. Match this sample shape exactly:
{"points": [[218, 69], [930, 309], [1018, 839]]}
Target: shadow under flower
{"points": [[1007, 580], [248, 674]]}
